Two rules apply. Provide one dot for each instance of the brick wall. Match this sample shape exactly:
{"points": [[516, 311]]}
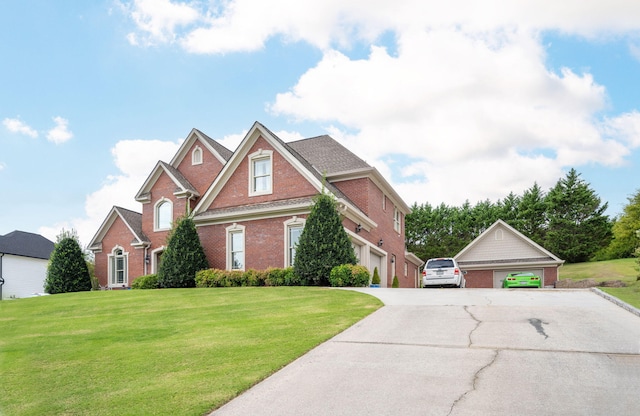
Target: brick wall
{"points": [[200, 176], [287, 183], [119, 235]]}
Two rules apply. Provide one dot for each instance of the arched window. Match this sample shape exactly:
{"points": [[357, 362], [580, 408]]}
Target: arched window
{"points": [[196, 156], [118, 268], [163, 214], [293, 230]]}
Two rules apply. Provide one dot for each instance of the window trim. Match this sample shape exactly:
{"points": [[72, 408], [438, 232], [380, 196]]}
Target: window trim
{"points": [[294, 222], [231, 231], [255, 157], [397, 219], [156, 214], [112, 261], [196, 156]]}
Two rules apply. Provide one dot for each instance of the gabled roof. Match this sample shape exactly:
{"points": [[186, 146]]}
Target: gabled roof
{"points": [[183, 186], [21, 243], [295, 159], [503, 245], [133, 221], [219, 151]]}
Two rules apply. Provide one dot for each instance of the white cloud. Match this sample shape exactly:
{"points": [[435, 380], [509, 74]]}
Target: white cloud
{"points": [[15, 125], [246, 25], [479, 116], [2, 166], [60, 133], [467, 96]]}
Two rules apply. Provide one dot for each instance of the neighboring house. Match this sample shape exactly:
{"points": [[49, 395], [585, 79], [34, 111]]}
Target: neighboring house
{"points": [[250, 207], [23, 263], [500, 250]]}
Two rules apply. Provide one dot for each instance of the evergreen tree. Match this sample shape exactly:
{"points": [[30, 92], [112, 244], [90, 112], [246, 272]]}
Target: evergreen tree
{"points": [[67, 269], [183, 257], [625, 230], [531, 214], [323, 243], [577, 225]]}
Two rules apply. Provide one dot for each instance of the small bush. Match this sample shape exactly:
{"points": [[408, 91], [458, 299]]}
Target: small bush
{"points": [[149, 281], [375, 280], [395, 282], [349, 275]]}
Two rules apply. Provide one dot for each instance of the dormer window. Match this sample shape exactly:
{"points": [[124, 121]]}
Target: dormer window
{"points": [[260, 175], [163, 215], [196, 156]]}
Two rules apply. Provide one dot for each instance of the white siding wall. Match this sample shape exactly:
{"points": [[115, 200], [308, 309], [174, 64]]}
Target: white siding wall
{"points": [[500, 244], [23, 276]]}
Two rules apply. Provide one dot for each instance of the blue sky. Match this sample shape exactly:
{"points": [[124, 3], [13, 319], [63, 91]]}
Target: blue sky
{"points": [[450, 102]]}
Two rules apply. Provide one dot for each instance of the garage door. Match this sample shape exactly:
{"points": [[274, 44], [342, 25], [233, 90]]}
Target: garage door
{"points": [[499, 275]]}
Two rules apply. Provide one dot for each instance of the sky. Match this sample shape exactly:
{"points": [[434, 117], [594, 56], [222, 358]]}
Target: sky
{"points": [[451, 101]]}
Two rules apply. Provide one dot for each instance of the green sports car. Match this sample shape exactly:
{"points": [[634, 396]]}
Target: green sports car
{"points": [[522, 280]]}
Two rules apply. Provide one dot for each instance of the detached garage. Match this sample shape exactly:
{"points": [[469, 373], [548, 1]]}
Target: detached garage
{"points": [[501, 250], [23, 264]]}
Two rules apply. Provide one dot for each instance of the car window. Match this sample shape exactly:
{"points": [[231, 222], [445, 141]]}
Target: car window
{"points": [[440, 264]]}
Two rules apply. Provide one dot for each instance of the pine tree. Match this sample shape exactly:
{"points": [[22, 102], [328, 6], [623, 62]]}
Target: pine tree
{"points": [[577, 225], [323, 243], [531, 214], [67, 269], [183, 257]]}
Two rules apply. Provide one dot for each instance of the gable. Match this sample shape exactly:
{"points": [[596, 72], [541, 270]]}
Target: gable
{"points": [[501, 243], [288, 183], [122, 224]]}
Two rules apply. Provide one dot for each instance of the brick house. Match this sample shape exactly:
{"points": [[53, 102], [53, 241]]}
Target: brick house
{"points": [[500, 250], [250, 206]]}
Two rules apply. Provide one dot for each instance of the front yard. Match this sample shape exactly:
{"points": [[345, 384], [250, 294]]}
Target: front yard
{"points": [[172, 351]]}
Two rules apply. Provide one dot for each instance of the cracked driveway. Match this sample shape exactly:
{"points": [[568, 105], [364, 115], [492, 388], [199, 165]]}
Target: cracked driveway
{"points": [[466, 352]]}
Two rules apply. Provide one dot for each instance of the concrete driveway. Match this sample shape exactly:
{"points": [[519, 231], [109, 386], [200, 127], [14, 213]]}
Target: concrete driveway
{"points": [[466, 352]]}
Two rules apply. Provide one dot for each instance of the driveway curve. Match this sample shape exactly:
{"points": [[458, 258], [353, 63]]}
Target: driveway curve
{"points": [[465, 352]]}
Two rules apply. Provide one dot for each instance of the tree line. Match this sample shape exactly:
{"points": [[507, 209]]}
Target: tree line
{"points": [[569, 220]]}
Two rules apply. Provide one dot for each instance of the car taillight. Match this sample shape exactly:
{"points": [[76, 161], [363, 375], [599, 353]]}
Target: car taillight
{"points": [[424, 272], [456, 272]]}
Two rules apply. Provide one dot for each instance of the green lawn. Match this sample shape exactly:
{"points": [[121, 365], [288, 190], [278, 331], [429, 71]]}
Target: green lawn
{"points": [[159, 352], [625, 270]]}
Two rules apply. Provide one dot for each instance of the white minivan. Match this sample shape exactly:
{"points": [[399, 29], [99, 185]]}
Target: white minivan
{"points": [[442, 272]]}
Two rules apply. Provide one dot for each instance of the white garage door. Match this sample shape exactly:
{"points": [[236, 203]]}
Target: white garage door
{"points": [[499, 275]]}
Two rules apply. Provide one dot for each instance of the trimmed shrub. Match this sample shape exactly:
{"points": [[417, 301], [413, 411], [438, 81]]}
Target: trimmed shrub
{"points": [[323, 244], [349, 275], [395, 282], [272, 276], [184, 256], [149, 281], [67, 270], [375, 280]]}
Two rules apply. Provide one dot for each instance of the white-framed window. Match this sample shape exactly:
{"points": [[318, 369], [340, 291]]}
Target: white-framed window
{"points": [[118, 267], [163, 213], [260, 172], [293, 230], [396, 219], [235, 247], [406, 269], [384, 202], [196, 156]]}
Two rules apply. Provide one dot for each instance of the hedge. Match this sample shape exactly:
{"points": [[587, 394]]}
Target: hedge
{"points": [[235, 278]]}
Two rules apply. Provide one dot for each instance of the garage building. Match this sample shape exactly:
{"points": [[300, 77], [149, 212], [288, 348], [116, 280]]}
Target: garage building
{"points": [[501, 250]]}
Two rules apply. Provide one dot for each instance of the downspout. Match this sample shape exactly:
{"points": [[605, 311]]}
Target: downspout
{"points": [[1, 278]]}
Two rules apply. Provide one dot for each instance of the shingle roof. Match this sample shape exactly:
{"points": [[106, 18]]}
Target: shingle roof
{"points": [[223, 151], [183, 182], [327, 155], [21, 243], [134, 220]]}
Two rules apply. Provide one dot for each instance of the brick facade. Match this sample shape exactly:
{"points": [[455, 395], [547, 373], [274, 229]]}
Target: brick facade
{"points": [[264, 230]]}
